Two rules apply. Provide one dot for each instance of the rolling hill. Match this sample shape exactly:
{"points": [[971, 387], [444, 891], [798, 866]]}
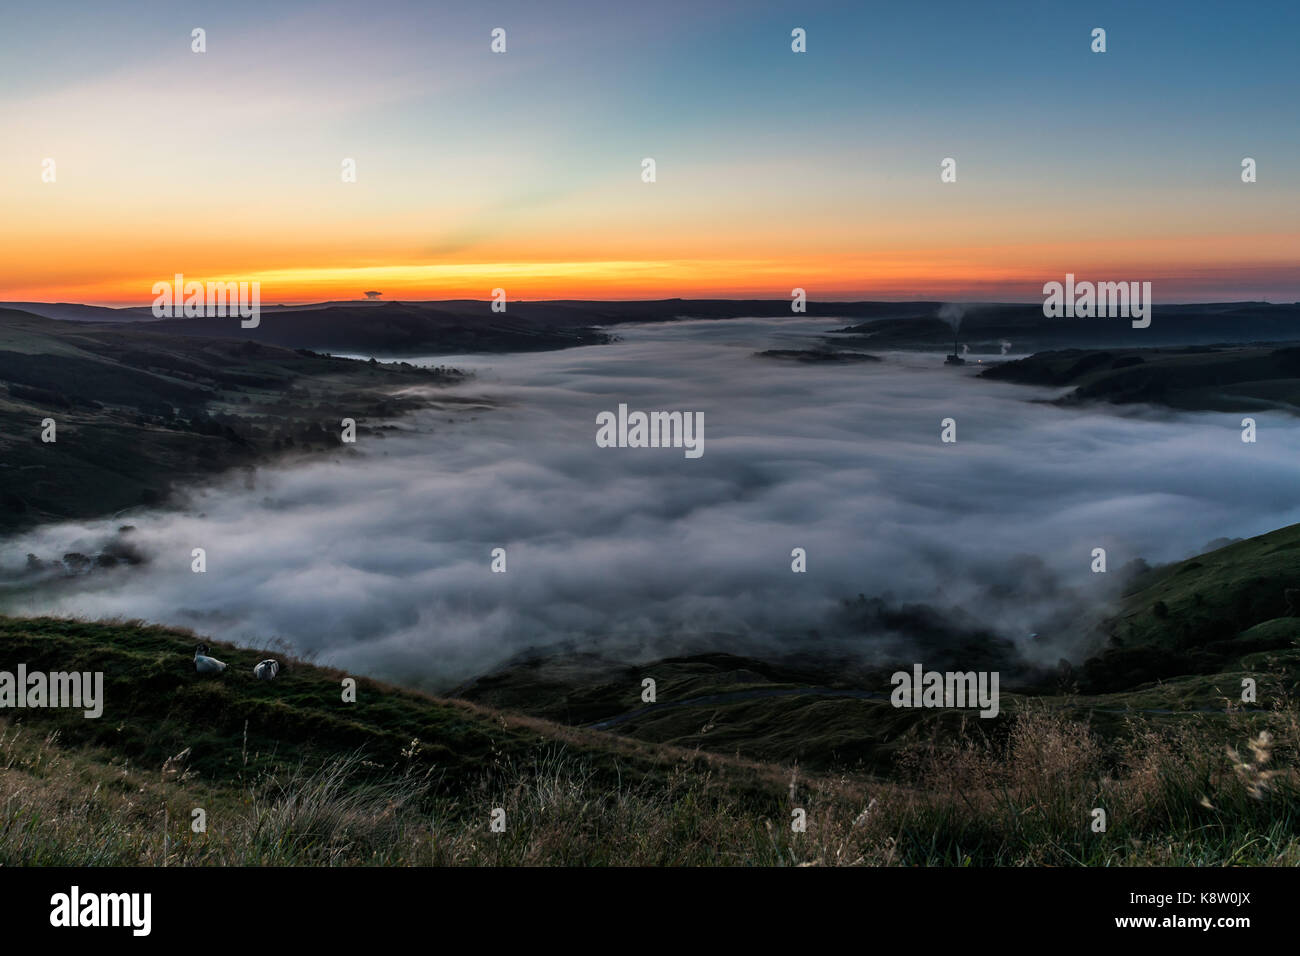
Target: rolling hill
{"points": [[1228, 379], [189, 769], [188, 408]]}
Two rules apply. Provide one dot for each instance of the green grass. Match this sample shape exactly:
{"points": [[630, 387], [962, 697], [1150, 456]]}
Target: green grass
{"points": [[288, 774], [1152, 730], [1205, 616], [235, 725]]}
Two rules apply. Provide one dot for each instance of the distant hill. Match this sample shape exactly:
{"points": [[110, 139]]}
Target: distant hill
{"points": [[1024, 328], [391, 328], [139, 412], [72, 312], [452, 325], [1229, 379], [560, 313]]}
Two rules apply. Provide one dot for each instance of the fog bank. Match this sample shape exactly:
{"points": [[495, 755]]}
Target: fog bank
{"points": [[378, 559]]}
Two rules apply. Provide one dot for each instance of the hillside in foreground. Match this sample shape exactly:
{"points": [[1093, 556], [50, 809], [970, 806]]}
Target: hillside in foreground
{"points": [[716, 772], [1148, 725], [1180, 642]]}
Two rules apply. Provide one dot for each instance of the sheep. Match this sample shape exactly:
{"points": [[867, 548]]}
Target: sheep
{"points": [[207, 665]]}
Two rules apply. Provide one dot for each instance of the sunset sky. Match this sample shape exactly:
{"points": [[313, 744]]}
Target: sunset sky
{"points": [[523, 170]]}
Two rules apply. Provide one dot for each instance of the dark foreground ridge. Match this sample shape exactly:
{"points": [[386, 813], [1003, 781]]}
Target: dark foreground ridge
{"points": [[292, 771]]}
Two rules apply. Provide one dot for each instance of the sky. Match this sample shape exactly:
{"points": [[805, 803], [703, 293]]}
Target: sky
{"points": [[523, 170]]}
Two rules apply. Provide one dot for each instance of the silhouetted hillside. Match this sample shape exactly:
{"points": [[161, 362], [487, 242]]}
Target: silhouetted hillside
{"points": [[392, 328]]}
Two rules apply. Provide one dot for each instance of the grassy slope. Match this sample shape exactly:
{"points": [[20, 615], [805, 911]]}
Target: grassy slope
{"points": [[1182, 640], [287, 773], [722, 703], [828, 733], [1204, 615], [157, 706]]}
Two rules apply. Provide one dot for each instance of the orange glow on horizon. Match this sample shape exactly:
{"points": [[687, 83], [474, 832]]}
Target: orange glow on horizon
{"points": [[975, 272]]}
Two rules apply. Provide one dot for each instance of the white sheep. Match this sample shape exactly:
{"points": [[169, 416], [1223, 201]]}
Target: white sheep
{"points": [[207, 665]]}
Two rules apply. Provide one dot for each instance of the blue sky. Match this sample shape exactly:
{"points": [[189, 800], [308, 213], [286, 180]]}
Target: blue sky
{"points": [[825, 161]]}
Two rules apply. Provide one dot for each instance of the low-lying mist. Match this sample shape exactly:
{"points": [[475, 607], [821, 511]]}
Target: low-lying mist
{"points": [[378, 559]]}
